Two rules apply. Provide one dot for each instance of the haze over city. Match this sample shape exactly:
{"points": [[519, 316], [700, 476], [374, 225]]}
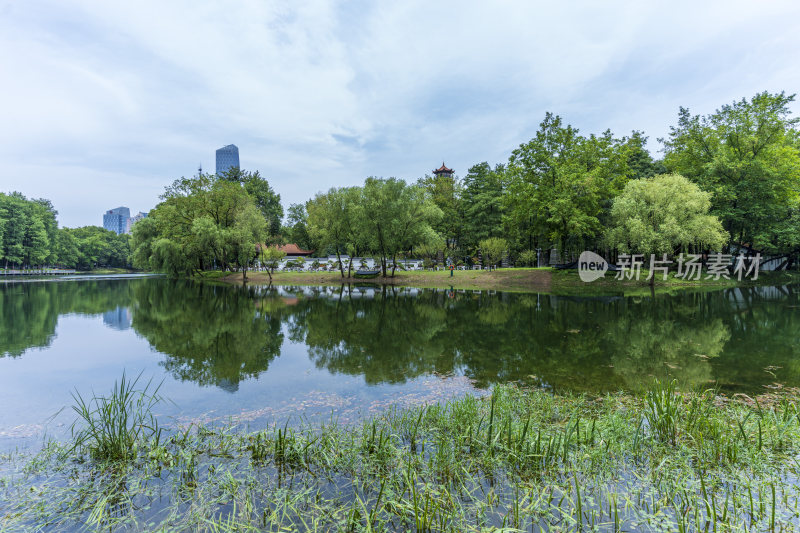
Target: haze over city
{"points": [[104, 105]]}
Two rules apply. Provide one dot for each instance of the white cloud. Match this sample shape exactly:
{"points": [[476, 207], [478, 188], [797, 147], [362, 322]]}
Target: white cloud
{"points": [[106, 103]]}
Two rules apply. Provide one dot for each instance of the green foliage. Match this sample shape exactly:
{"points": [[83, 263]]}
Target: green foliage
{"points": [[551, 461], [28, 231], [296, 230], [271, 257], [527, 258], [92, 247], [394, 217], [493, 249], [266, 199], [663, 214], [445, 193], [30, 237], [747, 156], [332, 219], [560, 183], [481, 205], [204, 222]]}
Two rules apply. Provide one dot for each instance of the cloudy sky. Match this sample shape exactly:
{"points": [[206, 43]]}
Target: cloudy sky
{"points": [[104, 103]]}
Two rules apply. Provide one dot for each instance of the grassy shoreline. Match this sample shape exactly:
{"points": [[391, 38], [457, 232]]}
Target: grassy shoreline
{"points": [[546, 280], [519, 460]]}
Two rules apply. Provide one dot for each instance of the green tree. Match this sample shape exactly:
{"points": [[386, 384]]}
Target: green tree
{"points": [[201, 222], [330, 220], [395, 217], [663, 215], [560, 185], [17, 219], [296, 230], [444, 192], [527, 258], [747, 155], [245, 236], [271, 258], [259, 189], [493, 249], [481, 205], [640, 162], [37, 244]]}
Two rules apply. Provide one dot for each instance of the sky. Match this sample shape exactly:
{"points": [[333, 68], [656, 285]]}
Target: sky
{"points": [[103, 104]]}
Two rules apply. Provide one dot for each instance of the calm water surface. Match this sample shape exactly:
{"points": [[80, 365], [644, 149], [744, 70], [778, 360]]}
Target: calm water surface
{"points": [[260, 354]]}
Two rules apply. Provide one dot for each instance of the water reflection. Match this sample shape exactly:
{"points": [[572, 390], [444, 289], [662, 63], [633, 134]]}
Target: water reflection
{"points": [[215, 335]]}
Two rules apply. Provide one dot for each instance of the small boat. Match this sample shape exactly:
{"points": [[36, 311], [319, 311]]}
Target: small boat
{"points": [[367, 273]]}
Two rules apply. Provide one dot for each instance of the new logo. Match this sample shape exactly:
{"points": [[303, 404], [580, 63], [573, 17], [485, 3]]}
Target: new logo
{"points": [[591, 266]]}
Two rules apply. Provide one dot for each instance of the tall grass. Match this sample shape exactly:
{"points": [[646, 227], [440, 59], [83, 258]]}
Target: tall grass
{"points": [[519, 460], [114, 427], [663, 407]]}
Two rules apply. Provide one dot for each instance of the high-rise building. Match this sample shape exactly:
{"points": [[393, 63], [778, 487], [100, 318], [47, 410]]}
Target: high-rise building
{"points": [[116, 220], [119, 220], [227, 157]]}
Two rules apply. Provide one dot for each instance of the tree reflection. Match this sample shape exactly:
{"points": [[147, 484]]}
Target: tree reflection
{"points": [[29, 311], [212, 335], [737, 339]]}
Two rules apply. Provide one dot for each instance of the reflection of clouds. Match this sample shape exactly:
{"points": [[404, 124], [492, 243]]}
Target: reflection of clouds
{"points": [[345, 408]]}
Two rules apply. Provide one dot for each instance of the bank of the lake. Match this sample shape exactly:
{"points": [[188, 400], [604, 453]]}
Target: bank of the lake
{"points": [[545, 279], [520, 460]]}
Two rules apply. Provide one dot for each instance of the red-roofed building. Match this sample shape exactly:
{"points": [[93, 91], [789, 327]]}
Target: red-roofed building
{"points": [[444, 171], [292, 250]]}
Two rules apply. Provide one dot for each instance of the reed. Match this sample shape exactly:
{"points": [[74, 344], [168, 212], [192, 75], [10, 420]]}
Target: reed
{"points": [[114, 427]]}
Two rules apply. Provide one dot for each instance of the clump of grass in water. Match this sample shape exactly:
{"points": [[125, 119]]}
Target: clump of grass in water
{"points": [[662, 411], [113, 427]]}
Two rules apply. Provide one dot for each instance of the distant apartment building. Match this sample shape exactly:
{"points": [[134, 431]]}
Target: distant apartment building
{"points": [[119, 220], [227, 157], [133, 220]]}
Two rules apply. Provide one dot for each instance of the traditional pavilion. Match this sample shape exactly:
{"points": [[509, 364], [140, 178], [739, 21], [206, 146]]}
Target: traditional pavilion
{"points": [[443, 171]]}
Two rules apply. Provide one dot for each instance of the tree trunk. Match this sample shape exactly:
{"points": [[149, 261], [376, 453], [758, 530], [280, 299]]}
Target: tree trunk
{"points": [[394, 263], [339, 258]]}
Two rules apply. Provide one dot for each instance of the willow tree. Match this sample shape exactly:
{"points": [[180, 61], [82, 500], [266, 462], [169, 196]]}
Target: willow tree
{"points": [[331, 220], [395, 217], [663, 215], [202, 221]]}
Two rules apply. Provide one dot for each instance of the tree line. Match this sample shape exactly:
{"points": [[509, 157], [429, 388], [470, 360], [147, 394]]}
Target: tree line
{"points": [[727, 181], [30, 238]]}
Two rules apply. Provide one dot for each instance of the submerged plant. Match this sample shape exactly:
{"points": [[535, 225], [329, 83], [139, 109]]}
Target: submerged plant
{"points": [[113, 427]]}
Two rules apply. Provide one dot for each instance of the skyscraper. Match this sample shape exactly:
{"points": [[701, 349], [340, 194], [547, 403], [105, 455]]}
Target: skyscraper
{"points": [[227, 157], [119, 220], [116, 219]]}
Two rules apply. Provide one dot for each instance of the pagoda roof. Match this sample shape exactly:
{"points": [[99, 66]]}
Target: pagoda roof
{"points": [[442, 169]]}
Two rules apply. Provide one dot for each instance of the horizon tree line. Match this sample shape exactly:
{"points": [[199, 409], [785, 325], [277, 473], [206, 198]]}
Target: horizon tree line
{"points": [[727, 181]]}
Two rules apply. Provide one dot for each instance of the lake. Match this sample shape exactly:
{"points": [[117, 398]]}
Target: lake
{"points": [[257, 355]]}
